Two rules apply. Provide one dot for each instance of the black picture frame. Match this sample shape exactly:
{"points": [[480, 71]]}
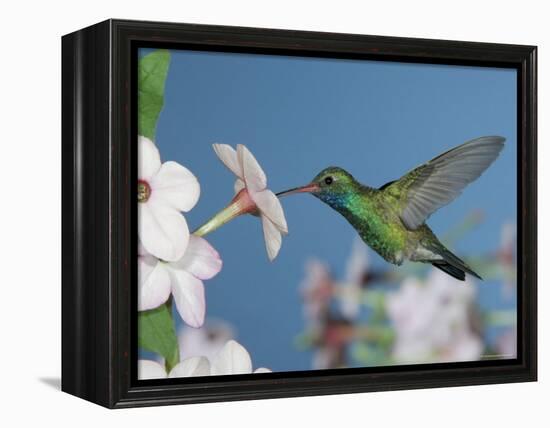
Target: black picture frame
{"points": [[99, 213]]}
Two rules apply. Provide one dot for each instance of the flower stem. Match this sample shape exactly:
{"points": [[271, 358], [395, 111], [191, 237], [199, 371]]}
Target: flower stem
{"points": [[242, 203], [218, 220]]}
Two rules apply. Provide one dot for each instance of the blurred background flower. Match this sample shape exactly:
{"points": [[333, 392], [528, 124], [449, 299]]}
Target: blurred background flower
{"points": [[405, 315], [434, 320], [206, 341]]}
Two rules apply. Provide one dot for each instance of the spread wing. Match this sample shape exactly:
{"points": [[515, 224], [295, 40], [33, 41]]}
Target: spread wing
{"points": [[434, 184]]}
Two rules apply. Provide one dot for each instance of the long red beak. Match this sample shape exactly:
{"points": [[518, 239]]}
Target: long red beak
{"points": [[308, 188]]}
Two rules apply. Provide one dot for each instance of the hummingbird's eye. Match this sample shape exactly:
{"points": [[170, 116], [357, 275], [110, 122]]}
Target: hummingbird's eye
{"points": [[329, 180]]}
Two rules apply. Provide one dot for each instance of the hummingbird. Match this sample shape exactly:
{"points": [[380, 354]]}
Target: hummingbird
{"points": [[391, 219]]}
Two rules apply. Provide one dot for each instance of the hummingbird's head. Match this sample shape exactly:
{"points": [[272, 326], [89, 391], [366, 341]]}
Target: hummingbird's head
{"points": [[332, 185]]}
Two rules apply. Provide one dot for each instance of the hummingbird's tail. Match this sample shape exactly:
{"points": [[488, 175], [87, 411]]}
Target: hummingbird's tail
{"points": [[450, 263]]}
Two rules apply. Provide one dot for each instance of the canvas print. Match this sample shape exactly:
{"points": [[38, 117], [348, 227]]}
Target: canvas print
{"points": [[302, 213]]}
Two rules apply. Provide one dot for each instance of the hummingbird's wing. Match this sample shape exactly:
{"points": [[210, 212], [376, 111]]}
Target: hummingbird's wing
{"points": [[425, 189]]}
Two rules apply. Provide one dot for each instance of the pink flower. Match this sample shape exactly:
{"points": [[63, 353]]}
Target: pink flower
{"points": [[164, 191], [182, 278], [252, 197]]}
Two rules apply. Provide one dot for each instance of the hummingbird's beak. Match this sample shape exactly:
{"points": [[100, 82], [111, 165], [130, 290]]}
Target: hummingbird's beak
{"points": [[308, 188]]}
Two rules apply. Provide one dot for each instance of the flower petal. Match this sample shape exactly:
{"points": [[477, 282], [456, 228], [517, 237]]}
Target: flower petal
{"points": [[141, 249], [153, 283], [188, 294], [254, 175], [148, 158], [200, 259], [162, 231], [191, 367], [228, 156], [272, 238], [270, 206], [232, 359], [148, 369], [238, 186], [262, 370], [175, 186]]}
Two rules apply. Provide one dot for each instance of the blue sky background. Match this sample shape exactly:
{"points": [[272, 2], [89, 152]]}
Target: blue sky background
{"points": [[299, 115]]}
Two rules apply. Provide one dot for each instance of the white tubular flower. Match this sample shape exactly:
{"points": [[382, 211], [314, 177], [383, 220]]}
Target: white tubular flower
{"points": [[183, 278], [252, 197], [233, 358], [191, 367], [164, 191], [153, 281]]}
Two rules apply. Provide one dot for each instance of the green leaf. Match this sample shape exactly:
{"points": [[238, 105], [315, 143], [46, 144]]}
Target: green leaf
{"points": [[156, 333], [152, 72]]}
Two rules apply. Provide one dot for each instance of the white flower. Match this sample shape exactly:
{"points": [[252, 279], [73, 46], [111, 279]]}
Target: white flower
{"points": [[164, 190], [252, 197], [190, 367], [233, 358], [433, 320], [183, 278]]}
